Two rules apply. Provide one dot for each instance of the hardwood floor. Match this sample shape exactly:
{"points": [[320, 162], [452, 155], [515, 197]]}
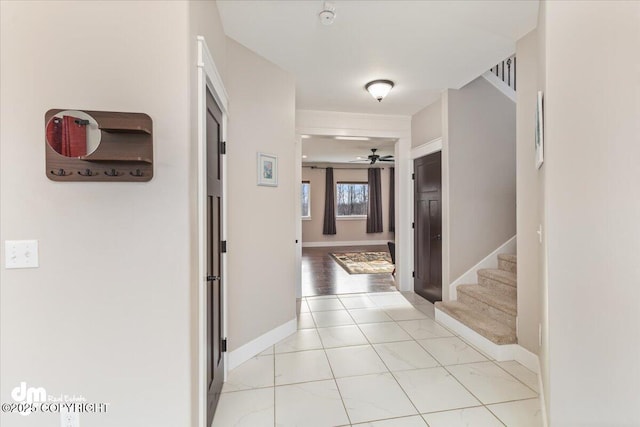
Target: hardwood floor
{"points": [[322, 275]]}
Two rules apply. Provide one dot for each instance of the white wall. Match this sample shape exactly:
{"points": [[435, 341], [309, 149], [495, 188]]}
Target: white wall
{"points": [[111, 314], [592, 111], [528, 218], [347, 230], [107, 313], [543, 255], [426, 124], [262, 230], [479, 161]]}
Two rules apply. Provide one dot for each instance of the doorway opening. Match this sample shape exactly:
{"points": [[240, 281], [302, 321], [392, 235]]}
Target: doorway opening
{"points": [[347, 205]]}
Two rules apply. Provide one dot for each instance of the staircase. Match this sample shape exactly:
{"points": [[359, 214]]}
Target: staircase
{"points": [[489, 307]]}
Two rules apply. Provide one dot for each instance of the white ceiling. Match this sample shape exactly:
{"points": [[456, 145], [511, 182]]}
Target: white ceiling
{"points": [[423, 46], [322, 149]]}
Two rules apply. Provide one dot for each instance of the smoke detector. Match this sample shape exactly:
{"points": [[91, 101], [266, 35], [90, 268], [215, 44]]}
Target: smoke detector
{"points": [[328, 14]]}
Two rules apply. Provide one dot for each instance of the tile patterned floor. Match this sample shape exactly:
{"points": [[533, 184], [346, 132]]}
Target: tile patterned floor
{"points": [[376, 360]]}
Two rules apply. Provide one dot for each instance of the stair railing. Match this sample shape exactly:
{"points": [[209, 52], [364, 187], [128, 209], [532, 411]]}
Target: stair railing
{"points": [[506, 71]]}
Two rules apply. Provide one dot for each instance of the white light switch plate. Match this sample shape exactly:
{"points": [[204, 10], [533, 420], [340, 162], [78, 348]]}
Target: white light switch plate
{"points": [[21, 253]]}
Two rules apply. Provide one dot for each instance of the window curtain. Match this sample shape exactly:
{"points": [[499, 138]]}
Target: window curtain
{"points": [[329, 223], [374, 213], [392, 200]]}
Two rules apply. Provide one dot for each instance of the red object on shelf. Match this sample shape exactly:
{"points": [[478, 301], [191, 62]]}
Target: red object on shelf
{"points": [[54, 134], [74, 137]]}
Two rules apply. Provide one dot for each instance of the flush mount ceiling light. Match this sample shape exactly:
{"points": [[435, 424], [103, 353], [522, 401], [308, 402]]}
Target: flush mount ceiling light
{"points": [[328, 14], [379, 88], [305, 136], [352, 138]]}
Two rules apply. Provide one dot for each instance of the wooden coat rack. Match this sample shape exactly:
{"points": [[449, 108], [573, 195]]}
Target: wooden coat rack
{"points": [[125, 151]]}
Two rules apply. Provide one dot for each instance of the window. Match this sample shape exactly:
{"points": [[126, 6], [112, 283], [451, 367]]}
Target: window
{"points": [[306, 199], [352, 198]]}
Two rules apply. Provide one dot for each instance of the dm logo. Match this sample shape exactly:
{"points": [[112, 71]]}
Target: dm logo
{"points": [[29, 395]]}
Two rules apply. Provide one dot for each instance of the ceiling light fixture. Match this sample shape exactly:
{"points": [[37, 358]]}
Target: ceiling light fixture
{"points": [[304, 156], [379, 88], [328, 14], [352, 138], [305, 136]]}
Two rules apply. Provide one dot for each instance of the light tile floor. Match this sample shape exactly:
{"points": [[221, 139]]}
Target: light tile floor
{"points": [[376, 360]]}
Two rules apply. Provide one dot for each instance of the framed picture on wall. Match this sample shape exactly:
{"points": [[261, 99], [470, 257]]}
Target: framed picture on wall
{"points": [[267, 170], [539, 131]]}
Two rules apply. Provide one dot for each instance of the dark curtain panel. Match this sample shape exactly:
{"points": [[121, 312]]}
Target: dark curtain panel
{"points": [[374, 213], [329, 224], [392, 200]]}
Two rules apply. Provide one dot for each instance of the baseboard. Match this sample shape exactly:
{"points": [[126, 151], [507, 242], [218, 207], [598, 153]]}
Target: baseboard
{"points": [[526, 358], [243, 353], [500, 85], [500, 353], [352, 243], [490, 261]]}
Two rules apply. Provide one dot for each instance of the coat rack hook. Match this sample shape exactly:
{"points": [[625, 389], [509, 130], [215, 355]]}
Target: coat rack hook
{"points": [[112, 172], [87, 172], [60, 172], [137, 173]]}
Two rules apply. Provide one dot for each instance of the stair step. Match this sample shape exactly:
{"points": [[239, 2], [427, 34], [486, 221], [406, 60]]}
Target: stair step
{"points": [[508, 262], [505, 303], [498, 280], [489, 328], [509, 257], [490, 302], [504, 277]]}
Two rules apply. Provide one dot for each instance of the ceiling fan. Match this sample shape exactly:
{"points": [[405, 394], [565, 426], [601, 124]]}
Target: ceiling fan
{"points": [[373, 158]]}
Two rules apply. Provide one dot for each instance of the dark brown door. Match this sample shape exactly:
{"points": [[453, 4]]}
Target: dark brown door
{"points": [[428, 227], [215, 361]]}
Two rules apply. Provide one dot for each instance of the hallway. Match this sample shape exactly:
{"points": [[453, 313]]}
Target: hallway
{"points": [[376, 359], [322, 275]]}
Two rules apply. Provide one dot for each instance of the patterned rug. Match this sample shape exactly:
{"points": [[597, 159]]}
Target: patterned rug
{"points": [[364, 262]]}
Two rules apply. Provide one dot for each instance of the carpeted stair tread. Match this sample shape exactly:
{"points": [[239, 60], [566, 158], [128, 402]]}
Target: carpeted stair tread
{"points": [[498, 300], [509, 258], [508, 262], [504, 277], [494, 331]]}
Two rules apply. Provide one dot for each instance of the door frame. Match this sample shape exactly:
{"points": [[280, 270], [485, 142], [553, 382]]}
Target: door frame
{"points": [[208, 79], [330, 123], [430, 147]]}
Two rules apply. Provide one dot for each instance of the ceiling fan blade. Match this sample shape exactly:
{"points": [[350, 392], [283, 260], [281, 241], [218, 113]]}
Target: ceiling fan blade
{"points": [[386, 157], [386, 160], [358, 161]]}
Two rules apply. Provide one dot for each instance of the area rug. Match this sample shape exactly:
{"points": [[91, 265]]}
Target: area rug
{"points": [[364, 262]]}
